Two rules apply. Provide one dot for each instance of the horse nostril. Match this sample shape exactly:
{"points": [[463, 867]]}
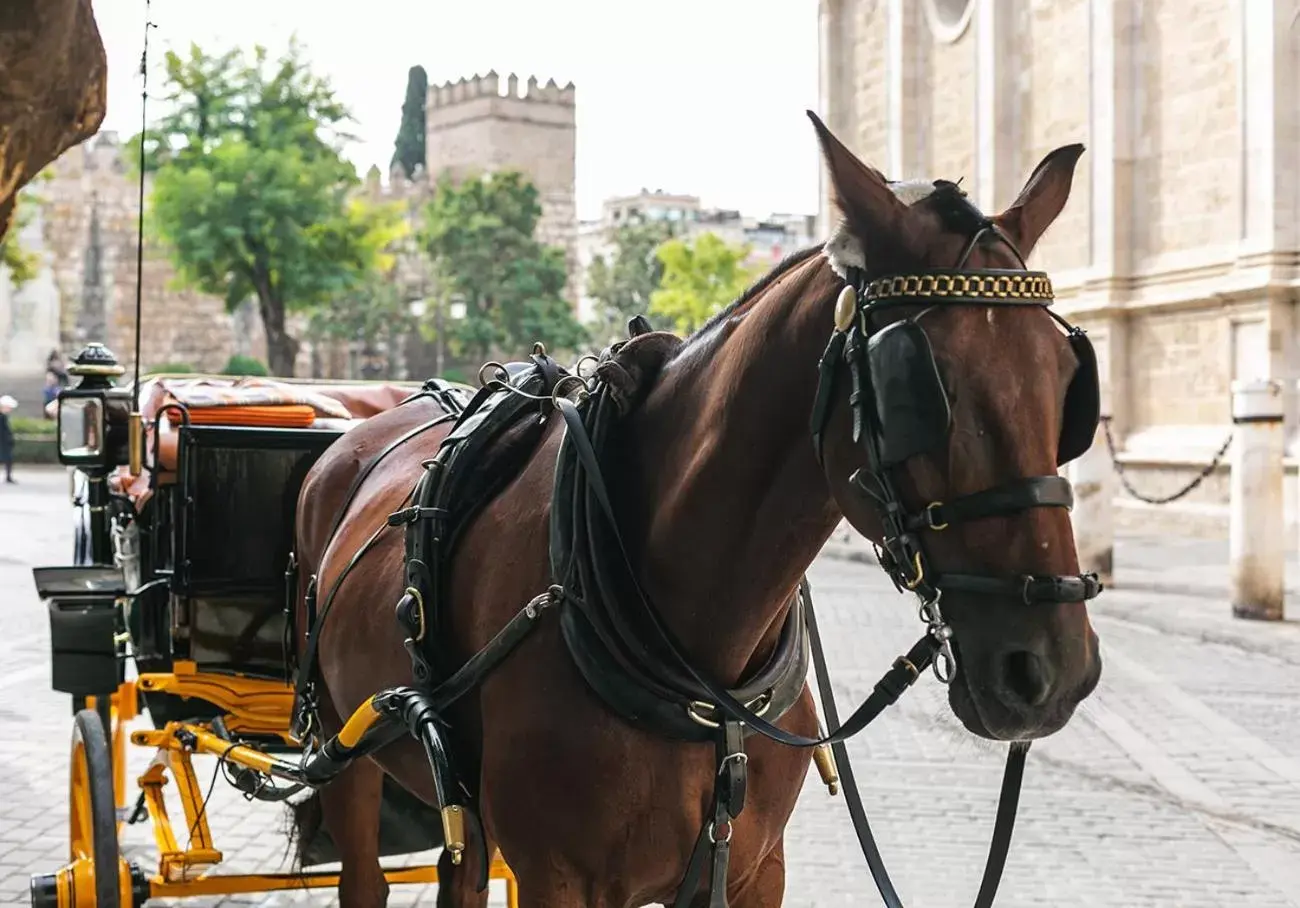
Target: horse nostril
{"points": [[1027, 676]]}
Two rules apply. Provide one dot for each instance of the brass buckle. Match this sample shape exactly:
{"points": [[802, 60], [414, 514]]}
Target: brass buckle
{"points": [[904, 662], [920, 572], [929, 516]]}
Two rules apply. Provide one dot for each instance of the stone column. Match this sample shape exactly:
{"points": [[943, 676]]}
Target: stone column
{"points": [[997, 67], [1256, 543], [830, 98], [909, 45], [1095, 487], [1269, 211], [1118, 106]]}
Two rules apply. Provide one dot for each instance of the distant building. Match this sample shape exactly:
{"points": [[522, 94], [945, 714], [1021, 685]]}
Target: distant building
{"points": [[473, 126], [769, 239]]}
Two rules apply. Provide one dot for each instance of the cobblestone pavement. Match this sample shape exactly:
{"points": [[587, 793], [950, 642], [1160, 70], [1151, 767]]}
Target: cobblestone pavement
{"points": [[1177, 784]]}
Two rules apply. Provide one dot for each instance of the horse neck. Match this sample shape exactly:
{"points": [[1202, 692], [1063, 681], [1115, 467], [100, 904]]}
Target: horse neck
{"points": [[728, 494]]}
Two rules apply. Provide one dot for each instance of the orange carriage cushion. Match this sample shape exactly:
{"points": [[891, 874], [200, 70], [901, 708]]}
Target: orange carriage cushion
{"points": [[289, 416]]}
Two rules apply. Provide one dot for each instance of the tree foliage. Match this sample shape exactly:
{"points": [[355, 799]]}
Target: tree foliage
{"points": [[623, 284], [409, 147], [367, 312], [699, 278], [480, 234], [251, 192], [21, 264], [239, 364]]}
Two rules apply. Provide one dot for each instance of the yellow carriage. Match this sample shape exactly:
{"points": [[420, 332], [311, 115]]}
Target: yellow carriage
{"points": [[183, 570]]}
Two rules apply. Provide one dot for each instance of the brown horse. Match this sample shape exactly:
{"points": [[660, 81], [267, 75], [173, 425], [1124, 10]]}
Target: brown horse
{"points": [[724, 503]]}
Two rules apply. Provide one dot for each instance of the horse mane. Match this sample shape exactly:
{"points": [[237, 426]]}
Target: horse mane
{"points": [[795, 258]]}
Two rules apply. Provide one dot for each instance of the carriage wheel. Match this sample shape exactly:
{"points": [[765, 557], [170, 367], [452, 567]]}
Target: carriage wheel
{"points": [[93, 814]]}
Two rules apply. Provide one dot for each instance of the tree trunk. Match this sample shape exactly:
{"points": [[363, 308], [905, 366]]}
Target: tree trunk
{"points": [[281, 349]]}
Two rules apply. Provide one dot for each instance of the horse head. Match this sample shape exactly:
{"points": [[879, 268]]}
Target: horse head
{"points": [[949, 397]]}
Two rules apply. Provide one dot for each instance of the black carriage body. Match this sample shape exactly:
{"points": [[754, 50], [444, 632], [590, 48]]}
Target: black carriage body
{"points": [[215, 552], [233, 534]]}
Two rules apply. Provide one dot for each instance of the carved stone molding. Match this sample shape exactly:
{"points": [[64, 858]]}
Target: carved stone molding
{"points": [[948, 19]]}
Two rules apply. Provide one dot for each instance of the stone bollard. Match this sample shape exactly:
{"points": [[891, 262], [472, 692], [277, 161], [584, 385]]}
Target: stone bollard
{"points": [[1095, 486], [1256, 541]]}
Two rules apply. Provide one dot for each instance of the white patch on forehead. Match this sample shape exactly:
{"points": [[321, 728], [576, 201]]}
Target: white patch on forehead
{"points": [[844, 250], [909, 192]]}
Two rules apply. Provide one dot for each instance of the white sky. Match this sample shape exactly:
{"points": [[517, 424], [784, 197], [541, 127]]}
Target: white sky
{"points": [[697, 96]]}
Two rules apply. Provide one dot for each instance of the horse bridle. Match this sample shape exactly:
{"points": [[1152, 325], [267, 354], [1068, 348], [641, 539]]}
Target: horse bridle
{"points": [[902, 553]]}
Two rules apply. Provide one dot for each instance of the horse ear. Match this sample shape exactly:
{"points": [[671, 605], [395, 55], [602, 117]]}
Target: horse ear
{"points": [[877, 218], [1042, 199]]}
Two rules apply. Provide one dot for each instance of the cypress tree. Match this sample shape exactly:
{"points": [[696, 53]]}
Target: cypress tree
{"points": [[409, 147]]}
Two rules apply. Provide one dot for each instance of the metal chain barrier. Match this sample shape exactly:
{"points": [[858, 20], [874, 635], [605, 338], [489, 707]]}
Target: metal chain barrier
{"points": [[1166, 499]]}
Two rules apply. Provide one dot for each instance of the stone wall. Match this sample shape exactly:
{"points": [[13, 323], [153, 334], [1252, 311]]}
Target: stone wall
{"points": [[86, 237], [1179, 249], [85, 230]]}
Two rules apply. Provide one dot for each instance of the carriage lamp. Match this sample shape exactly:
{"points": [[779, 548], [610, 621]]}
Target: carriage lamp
{"points": [[94, 417]]}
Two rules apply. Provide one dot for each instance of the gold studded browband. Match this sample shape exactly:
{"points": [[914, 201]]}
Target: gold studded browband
{"points": [[972, 287]]}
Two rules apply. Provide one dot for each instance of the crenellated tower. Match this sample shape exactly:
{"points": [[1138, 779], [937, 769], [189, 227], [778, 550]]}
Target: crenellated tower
{"points": [[477, 125]]}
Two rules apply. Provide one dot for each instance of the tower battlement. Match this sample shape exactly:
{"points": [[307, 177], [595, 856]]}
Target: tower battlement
{"points": [[489, 86], [474, 126]]}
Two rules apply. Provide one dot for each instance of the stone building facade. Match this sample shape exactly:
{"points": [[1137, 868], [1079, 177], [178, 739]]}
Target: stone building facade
{"points": [[1179, 249], [471, 126]]}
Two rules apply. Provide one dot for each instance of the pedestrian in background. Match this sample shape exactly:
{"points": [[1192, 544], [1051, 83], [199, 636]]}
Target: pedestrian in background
{"points": [[7, 406], [54, 363], [51, 392]]}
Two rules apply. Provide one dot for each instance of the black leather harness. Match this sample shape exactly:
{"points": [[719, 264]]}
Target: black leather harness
{"points": [[625, 652]]}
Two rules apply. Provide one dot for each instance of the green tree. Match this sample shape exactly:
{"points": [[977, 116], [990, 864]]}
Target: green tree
{"points": [[622, 284], [21, 264], [409, 146], [480, 234], [239, 364], [251, 193], [699, 278], [368, 312]]}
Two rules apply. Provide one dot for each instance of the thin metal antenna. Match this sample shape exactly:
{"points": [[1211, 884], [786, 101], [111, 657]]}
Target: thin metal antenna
{"points": [[139, 246], [135, 423]]}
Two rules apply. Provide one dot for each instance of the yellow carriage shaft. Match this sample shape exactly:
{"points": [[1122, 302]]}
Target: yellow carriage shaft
{"points": [[260, 706], [378, 721]]}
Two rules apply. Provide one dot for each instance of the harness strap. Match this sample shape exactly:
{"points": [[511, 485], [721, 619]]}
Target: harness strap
{"points": [[827, 369], [307, 666], [898, 679], [715, 835], [1008, 798], [444, 399], [1029, 588], [1017, 495]]}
